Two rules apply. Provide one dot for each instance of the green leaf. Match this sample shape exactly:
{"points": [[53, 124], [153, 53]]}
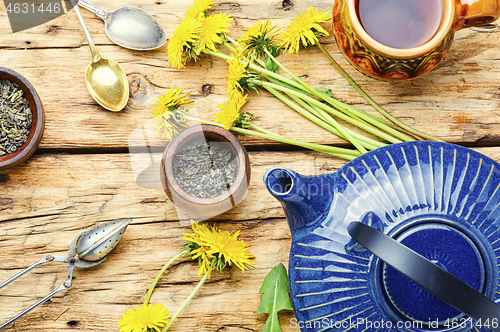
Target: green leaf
{"points": [[283, 84], [275, 297], [275, 50], [325, 91], [271, 65]]}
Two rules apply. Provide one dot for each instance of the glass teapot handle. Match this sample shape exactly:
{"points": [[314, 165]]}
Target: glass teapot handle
{"points": [[428, 275]]}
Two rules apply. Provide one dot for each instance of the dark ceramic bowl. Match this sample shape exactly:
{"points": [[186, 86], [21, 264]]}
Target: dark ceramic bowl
{"points": [[36, 131], [206, 207]]}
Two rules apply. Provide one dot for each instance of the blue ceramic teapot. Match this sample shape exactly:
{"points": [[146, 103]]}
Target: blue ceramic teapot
{"points": [[404, 238]]}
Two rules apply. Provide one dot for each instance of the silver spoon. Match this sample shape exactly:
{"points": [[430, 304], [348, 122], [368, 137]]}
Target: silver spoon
{"points": [[130, 27], [90, 245], [105, 79]]}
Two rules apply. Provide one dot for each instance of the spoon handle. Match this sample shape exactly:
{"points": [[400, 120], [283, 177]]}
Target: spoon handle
{"points": [[94, 9], [95, 55]]}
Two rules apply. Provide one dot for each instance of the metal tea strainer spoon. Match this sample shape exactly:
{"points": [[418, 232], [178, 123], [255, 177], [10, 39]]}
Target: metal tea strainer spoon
{"points": [[130, 27], [90, 245]]}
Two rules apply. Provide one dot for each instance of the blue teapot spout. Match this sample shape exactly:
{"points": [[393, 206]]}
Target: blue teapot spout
{"points": [[305, 199]]}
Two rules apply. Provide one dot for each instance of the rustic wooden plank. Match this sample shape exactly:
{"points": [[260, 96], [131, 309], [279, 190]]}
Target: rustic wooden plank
{"points": [[58, 32], [45, 202], [101, 294], [48, 200], [85, 188], [78, 190], [75, 191], [457, 102]]}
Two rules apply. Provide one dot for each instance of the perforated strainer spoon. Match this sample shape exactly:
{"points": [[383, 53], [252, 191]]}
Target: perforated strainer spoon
{"points": [[90, 245]]}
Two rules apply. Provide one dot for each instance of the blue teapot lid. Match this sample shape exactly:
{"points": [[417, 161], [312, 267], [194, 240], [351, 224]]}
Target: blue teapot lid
{"points": [[438, 199], [447, 247]]}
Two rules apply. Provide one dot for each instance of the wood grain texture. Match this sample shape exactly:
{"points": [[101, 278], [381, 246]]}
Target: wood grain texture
{"points": [[457, 102], [82, 174], [73, 191]]}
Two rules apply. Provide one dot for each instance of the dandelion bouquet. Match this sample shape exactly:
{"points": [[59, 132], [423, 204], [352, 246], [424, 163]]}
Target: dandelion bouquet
{"points": [[253, 65]]}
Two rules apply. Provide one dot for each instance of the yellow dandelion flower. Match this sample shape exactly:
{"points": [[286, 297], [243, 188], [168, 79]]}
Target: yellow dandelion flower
{"points": [[166, 111], [168, 126], [198, 9], [305, 28], [204, 260], [217, 248], [171, 99], [213, 27], [237, 71], [230, 110], [200, 237], [182, 46], [258, 37], [144, 318], [227, 246]]}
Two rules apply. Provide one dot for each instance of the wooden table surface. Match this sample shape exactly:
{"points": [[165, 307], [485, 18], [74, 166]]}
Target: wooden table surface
{"points": [[82, 174]]}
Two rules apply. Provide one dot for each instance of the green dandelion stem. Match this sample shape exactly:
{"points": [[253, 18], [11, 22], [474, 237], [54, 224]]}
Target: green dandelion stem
{"points": [[302, 86], [352, 111], [232, 49], [336, 151], [232, 40], [204, 121], [261, 70], [158, 276], [352, 114], [360, 124], [316, 111], [186, 302], [319, 113], [295, 78], [368, 143], [360, 114], [219, 55], [334, 123], [372, 102], [277, 76], [344, 153], [348, 109], [322, 115], [301, 111], [349, 155]]}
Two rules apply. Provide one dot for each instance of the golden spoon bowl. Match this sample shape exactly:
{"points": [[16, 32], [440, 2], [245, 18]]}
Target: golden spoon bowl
{"points": [[107, 83], [104, 78]]}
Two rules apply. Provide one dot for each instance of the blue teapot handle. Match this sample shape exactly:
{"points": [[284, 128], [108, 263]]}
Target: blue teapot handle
{"points": [[428, 275]]}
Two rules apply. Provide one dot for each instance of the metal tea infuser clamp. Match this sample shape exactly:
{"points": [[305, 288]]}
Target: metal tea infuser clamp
{"points": [[90, 245]]}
